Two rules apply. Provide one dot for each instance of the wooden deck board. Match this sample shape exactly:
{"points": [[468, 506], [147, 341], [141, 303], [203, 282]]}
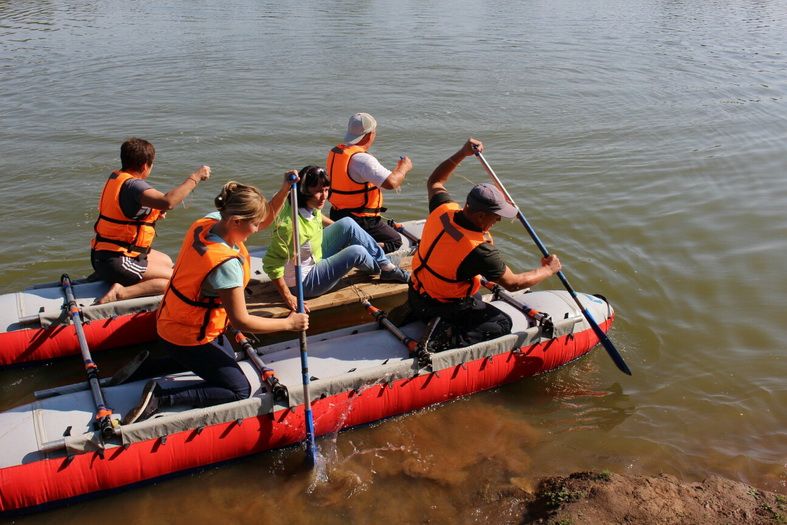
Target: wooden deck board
{"points": [[262, 298]]}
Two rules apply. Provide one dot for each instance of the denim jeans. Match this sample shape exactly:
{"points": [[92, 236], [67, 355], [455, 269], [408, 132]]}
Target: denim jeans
{"points": [[345, 246], [376, 227]]}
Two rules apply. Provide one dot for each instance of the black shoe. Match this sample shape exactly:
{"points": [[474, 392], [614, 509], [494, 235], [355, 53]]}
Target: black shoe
{"points": [[147, 406], [396, 275]]}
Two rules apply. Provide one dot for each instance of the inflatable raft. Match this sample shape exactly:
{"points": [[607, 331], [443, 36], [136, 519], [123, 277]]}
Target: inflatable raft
{"points": [[34, 327], [49, 452]]}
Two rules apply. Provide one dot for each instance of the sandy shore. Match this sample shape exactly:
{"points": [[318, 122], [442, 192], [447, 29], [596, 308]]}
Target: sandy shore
{"points": [[608, 498]]}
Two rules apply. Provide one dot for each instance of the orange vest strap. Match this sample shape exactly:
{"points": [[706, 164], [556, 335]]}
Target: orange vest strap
{"points": [[130, 222], [198, 245], [211, 304], [449, 228], [125, 245]]}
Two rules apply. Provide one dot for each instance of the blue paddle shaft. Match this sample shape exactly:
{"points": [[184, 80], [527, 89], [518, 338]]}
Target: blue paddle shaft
{"points": [[311, 445], [603, 339]]}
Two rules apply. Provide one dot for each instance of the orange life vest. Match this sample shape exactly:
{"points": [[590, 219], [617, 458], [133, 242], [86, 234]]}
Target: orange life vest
{"points": [[444, 245], [115, 232], [360, 199], [185, 317]]}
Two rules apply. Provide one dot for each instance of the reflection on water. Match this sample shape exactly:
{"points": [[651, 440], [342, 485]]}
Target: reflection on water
{"points": [[590, 410]]}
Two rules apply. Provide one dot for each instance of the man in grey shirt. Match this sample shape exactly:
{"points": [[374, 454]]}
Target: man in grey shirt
{"points": [[129, 207]]}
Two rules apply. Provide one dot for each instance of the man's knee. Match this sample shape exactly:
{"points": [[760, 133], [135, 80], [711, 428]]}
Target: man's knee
{"points": [[392, 245], [346, 224], [358, 253], [158, 267], [503, 323], [493, 328], [160, 257]]}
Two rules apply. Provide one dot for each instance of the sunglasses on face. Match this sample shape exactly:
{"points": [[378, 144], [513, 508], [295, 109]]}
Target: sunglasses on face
{"points": [[312, 176]]}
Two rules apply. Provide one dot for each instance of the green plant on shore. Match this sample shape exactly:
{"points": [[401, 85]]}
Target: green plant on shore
{"points": [[555, 498], [776, 516], [605, 475]]}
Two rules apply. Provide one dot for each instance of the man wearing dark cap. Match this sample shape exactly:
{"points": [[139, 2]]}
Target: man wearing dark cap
{"points": [[456, 251], [357, 180]]}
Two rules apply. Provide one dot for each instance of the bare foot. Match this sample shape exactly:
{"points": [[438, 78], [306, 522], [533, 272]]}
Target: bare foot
{"points": [[112, 295]]}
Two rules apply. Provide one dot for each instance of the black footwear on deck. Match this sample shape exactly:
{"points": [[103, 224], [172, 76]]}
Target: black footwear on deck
{"points": [[397, 275], [147, 406]]}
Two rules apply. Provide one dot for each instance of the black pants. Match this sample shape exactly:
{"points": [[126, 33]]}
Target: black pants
{"points": [[376, 227], [464, 322], [224, 381], [114, 267]]}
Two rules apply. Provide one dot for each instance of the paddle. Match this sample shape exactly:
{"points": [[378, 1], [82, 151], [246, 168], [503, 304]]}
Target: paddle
{"points": [[542, 319], [267, 374], [602, 337], [311, 445], [417, 349], [382, 319], [414, 240], [104, 421]]}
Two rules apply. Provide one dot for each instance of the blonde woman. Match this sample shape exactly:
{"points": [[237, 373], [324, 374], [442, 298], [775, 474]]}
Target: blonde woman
{"points": [[205, 294]]}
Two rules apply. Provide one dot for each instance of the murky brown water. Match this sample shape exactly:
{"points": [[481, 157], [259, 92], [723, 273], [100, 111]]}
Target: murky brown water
{"points": [[645, 142]]}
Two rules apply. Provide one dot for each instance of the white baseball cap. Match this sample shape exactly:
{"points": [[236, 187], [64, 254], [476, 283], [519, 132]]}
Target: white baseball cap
{"points": [[360, 124]]}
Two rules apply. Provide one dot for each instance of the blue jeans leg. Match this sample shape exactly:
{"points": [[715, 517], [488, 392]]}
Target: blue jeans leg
{"points": [[346, 232], [327, 272]]}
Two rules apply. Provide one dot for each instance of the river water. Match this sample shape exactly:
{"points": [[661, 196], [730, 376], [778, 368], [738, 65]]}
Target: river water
{"points": [[645, 141]]}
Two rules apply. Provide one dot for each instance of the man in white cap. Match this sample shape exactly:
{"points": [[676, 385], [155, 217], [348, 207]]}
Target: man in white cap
{"points": [[357, 180], [456, 251]]}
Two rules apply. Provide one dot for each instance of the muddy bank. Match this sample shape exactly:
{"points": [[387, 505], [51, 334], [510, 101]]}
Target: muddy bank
{"points": [[608, 498]]}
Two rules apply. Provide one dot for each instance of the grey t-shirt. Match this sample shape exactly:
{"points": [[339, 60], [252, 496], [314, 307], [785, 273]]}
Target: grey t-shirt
{"points": [[131, 198]]}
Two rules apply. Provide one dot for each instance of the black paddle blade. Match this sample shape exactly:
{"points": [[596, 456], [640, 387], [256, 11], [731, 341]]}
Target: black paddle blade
{"points": [[603, 339], [607, 344]]}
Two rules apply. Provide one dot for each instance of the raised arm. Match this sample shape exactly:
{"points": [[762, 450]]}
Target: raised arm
{"points": [[396, 178], [436, 182], [277, 202], [152, 198]]}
